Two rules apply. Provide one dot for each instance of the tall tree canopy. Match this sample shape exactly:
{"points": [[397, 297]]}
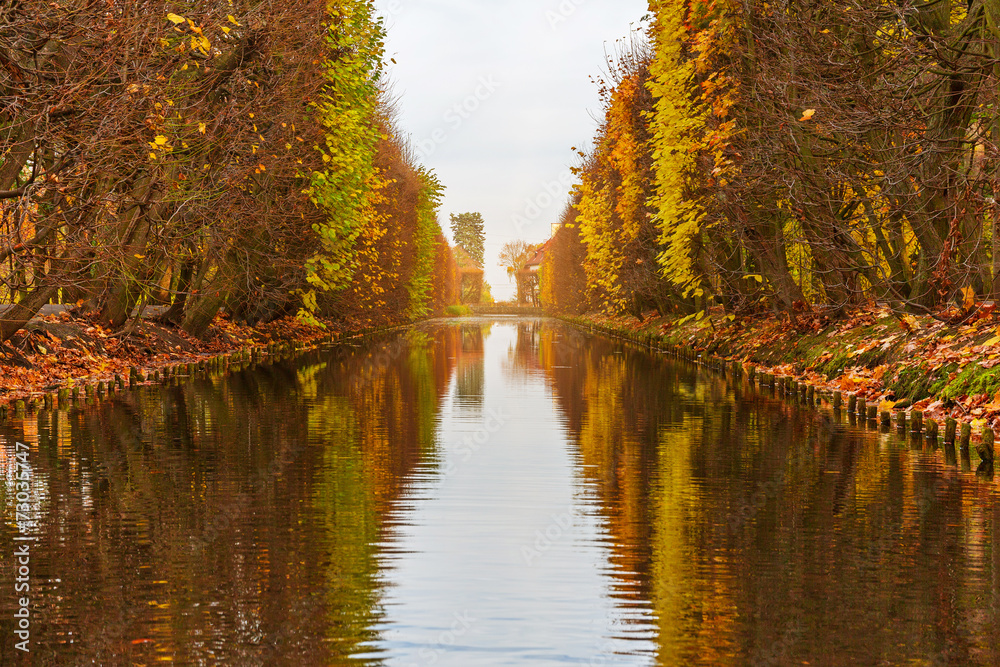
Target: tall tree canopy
{"points": [[230, 154], [468, 230], [795, 155]]}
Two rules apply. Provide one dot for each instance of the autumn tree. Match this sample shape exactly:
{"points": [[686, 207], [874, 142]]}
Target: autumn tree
{"points": [[563, 281], [616, 191], [468, 231], [514, 256], [223, 155], [797, 154], [884, 191]]}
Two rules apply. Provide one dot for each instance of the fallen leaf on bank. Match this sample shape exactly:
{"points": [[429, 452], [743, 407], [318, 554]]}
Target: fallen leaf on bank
{"points": [[910, 323]]}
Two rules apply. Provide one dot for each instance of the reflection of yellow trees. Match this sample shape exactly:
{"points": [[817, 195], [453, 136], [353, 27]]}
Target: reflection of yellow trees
{"points": [[652, 528], [762, 532], [376, 426]]}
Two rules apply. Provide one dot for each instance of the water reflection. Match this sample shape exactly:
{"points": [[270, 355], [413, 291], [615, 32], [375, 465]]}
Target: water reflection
{"points": [[227, 520], [487, 493], [761, 533], [499, 555]]}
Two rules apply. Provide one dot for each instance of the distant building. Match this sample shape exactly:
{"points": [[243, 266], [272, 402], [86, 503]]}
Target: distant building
{"points": [[529, 274]]}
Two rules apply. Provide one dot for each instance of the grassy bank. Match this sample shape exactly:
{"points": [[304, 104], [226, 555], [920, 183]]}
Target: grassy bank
{"points": [[59, 357], [903, 367]]}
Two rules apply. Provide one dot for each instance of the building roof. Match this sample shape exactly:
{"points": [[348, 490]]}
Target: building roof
{"points": [[536, 260]]}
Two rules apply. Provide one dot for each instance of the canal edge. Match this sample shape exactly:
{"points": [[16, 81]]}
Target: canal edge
{"points": [[953, 434]]}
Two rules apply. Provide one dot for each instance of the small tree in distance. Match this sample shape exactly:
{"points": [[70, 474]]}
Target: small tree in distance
{"points": [[514, 255]]}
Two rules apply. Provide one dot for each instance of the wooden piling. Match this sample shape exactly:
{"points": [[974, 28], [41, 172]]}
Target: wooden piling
{"points": [[886, 419], [838, 400], [986, 448], [872, 412], [916, 421], [852, 403], [950, 426], [931, 431], [964, 435]]}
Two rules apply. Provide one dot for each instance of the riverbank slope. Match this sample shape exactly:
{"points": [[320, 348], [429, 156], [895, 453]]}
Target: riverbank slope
{"points": [[66, 350]]}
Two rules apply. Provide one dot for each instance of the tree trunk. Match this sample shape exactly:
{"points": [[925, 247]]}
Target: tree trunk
{"points": [[16, 315], [201, 312], [122, 290], [175, 313], [21, 140]]}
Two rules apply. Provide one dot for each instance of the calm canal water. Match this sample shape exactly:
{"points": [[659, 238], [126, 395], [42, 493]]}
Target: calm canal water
{"points": [[490, 492]]}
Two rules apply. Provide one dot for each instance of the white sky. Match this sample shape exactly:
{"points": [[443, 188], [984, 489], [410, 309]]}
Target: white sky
{"points": [[495, 93]]}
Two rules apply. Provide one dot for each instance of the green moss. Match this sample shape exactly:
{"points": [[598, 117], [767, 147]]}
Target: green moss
{"points": [[973, 379], [916, 382], [834, 366]]}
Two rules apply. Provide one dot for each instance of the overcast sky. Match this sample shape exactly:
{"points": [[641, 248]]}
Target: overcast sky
{"points": [[495, 93]]}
